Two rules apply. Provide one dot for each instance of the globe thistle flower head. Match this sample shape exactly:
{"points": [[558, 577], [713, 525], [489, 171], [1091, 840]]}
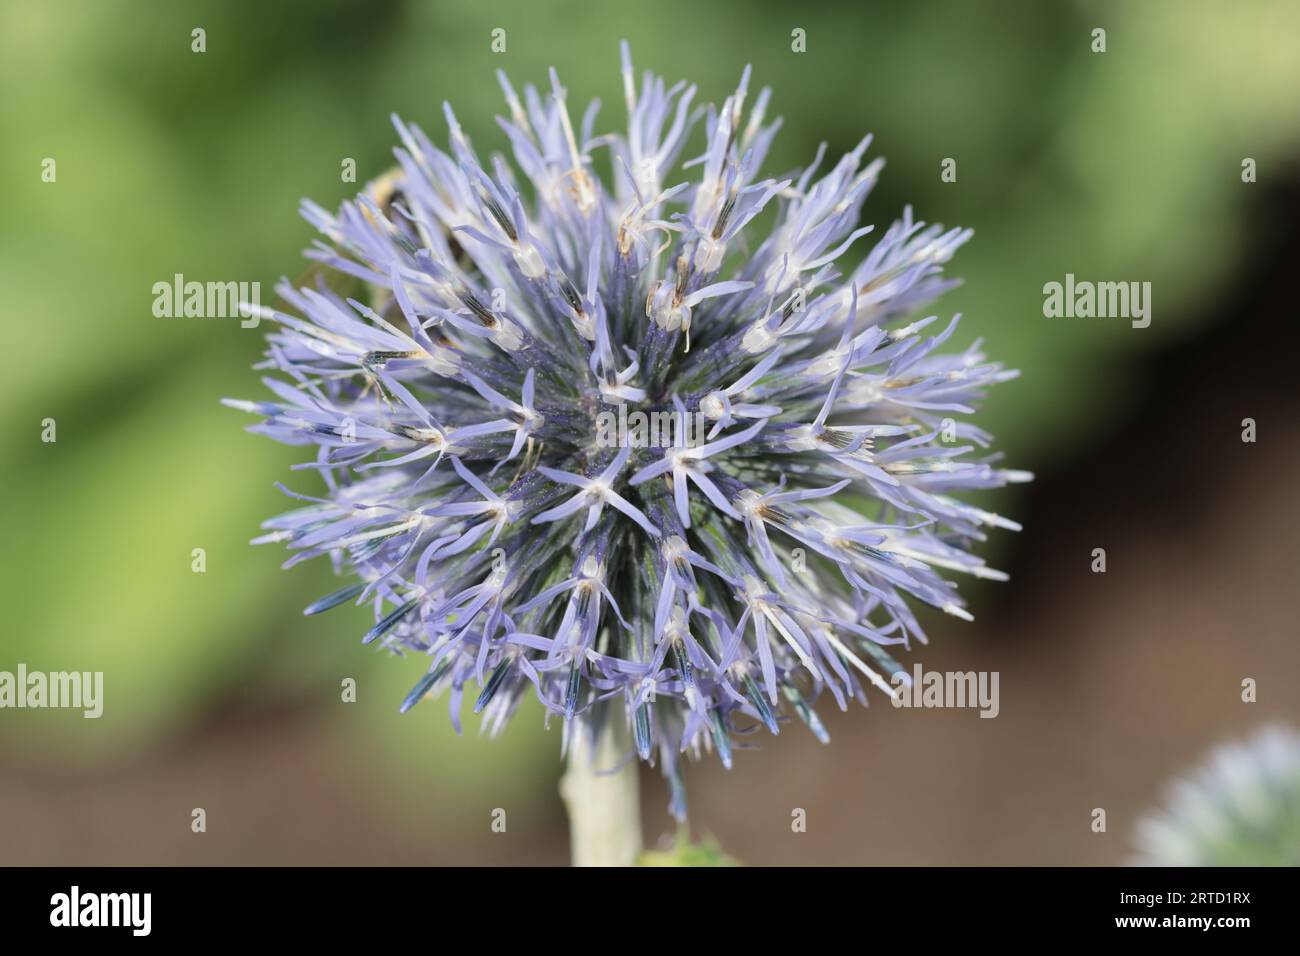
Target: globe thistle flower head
{"points": [[602, 442], [1240, 807]]}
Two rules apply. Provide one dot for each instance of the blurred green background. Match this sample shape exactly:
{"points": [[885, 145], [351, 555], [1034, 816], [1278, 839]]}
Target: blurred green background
{"points": [[1124, 165]]}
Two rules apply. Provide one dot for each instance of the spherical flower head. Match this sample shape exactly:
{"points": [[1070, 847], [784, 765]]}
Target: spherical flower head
{"points": [[1240, 807], [608, 445]]}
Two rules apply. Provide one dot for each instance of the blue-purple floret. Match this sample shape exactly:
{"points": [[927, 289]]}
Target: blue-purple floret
{"points": [[694, 591]]}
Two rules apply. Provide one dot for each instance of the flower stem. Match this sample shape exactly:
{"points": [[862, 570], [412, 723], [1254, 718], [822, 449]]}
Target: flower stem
{"points": [[604, 803]]}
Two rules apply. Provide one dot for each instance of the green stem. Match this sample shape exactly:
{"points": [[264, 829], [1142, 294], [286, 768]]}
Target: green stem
{"points": [[604, 804]]}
